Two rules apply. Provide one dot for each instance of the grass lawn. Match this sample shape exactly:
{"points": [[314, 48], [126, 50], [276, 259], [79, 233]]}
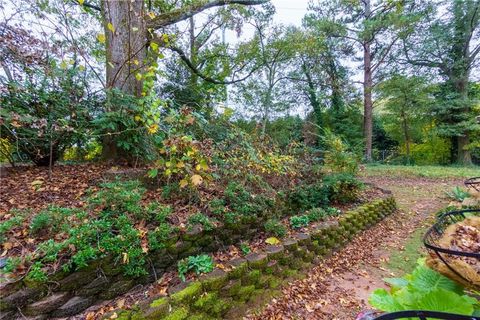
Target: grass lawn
{"points": [[421, 171]]}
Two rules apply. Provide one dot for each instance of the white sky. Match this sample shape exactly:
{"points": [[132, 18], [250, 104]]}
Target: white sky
{"points": [[290, 11]]}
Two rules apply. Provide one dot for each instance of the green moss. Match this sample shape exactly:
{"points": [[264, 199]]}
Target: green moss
{"points": [[188, 294], [290, 273], [245, 292], [206, 302], [238, 271], [156, 310], [232, 288], [178, 314], [221, 307], [214, 281], [122, 315], [200, 316], [274, 283], [159, 302], [252, 277]]}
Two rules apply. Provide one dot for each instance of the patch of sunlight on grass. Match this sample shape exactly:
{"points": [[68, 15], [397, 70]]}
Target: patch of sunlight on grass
{"points": [[421, 171]]}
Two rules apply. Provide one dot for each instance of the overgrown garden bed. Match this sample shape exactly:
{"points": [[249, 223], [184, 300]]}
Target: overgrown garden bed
{"points": [[63, 259]]}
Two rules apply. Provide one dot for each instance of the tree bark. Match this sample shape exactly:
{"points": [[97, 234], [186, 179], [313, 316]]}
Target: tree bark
{"points": [[406, 135], [126, 51], [126, 44], [367, 92]]}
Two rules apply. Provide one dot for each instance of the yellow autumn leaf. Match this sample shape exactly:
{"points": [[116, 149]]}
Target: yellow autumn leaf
{"points": [[181, 165], [125, 258], [101, 38], [136, 62], [202, 165], [272, 240], [151, 15], [183, 183], [196, 180], [138, 76], [64, 65], [80, 2], [154, 46], [137, 118], [110, 27], [153, 128]]}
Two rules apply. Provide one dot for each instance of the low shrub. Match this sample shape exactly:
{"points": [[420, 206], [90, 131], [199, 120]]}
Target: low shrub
{"points": [[198, 264], [243, 202], [109, 228], [341, 188], [298, 222], [7, 225], [306, 197], [201, 219], [51, 220], [275, 227]]}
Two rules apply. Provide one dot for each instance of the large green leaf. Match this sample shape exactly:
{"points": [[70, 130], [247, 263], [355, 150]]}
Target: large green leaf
{"points": [[381, 299], [425, 279], [396, 283], [407, 297], [446, 301]]}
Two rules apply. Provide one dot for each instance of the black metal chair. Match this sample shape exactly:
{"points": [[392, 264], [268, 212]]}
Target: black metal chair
{"points": [[424, 315]]}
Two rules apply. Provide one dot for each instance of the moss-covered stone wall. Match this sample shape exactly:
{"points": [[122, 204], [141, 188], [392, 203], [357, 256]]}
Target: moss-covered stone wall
{"points": [[224, 294], [66, 294]]}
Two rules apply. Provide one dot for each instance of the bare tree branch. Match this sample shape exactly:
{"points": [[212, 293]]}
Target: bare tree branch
{"points": [[195, 70]]}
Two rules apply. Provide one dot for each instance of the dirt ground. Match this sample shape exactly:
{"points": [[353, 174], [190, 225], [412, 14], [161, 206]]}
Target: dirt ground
{"points": [[339, 287]]}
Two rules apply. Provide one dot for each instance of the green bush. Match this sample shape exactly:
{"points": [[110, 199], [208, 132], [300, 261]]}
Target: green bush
{"points": [[119, 197], [51, 220], [341, 188], [275, 227], [7, 225], [198, 264], [201, 219], [110, 229], [304, 197], [298, 222], [217, 207], [338, 158], [244, 203]]}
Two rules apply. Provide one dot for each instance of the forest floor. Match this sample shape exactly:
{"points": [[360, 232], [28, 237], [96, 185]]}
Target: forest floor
{"points": [[339, 287]]}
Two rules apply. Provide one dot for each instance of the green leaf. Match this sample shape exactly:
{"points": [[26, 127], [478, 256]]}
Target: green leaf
{"points": [[426, 279], [446, 301], [152, 173], [382, 300], [396, 282]]}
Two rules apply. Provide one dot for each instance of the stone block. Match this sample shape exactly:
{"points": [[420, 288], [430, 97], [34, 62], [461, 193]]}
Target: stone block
{"points": [[73, 306]]}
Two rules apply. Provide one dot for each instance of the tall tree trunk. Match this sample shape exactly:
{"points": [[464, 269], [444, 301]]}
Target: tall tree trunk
{"points": [[126, 45], [126, 51], [367, 92], [312, 97], [461, 87], [407, 136], [463, 155]]}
